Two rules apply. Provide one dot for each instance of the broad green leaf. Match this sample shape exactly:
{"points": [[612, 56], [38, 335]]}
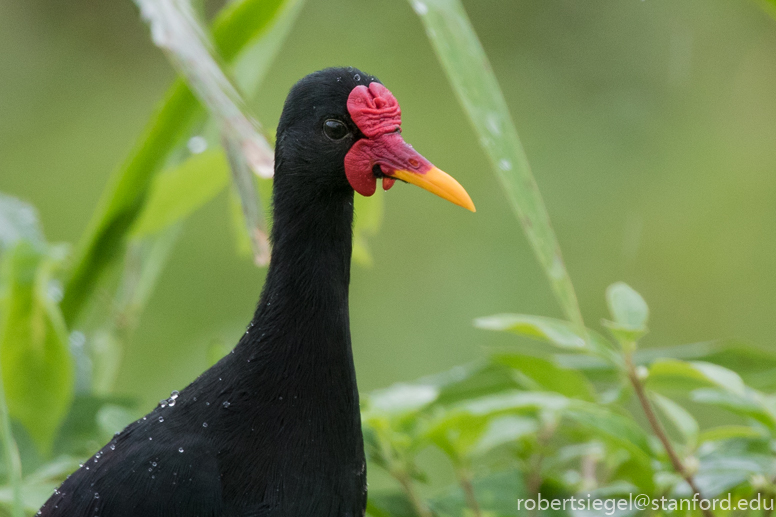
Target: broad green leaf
{"points": [[176, 193], [516, 401], [685, 374], [627, 307], [731, 432], [723, 470], [750, 404], [459, 430], [37, 368], [471, 76], [541, 375], [240, 23], [689, 351], [367, 222], [401, 399], [503, 430], [682, 420], [18, 222], [620, 430], [471, 381], [556, 332], [456, 433], [618, 427]]}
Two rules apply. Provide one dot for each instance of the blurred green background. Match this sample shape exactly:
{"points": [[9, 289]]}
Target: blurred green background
{"points": [[650, 126]]}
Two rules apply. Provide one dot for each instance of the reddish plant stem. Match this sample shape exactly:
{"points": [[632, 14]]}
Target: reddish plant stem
{"points": [[660, 431]]}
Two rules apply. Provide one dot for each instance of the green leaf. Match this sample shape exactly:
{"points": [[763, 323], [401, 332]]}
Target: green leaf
{"points": [[556, 332], [176, 193], [238, 24], [732, 432], [37, 368], [685, 374], [367, 221], [459, 430], [620, 430], [682, 420], [541, 375], [401, 398], [750, 404], [471, 381], [503, 430], [471, 76], [723, 470], [627, 307], [515, 401], [629, 312]]}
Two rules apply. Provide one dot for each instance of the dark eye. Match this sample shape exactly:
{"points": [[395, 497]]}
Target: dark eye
{"points": [[335, 129]]}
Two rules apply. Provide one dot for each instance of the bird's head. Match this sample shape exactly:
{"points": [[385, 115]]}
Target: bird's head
{"points": [[342, 129]]}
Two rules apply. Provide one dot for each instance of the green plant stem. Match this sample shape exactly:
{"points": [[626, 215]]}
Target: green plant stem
{"points": [[417, 502], [13, 463], [658, 428], [465, 478]]}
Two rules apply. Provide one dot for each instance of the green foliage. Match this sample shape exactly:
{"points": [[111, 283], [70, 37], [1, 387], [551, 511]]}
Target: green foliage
{"points": [[36, 365], [177, 193], [579, 413], [125, 196]]}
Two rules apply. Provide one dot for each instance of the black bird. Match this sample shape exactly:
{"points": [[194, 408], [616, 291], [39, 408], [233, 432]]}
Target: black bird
{"points": [[273, 429]]}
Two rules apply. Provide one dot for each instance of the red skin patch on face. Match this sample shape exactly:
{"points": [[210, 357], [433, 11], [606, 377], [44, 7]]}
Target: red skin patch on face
{"points": [[377, 114]]}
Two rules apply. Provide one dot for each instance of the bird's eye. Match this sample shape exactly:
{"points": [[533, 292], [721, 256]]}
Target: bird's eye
{"points": [[335, 129]]}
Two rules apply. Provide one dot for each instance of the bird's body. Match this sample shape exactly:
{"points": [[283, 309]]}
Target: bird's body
{"points": [[273, 429]]}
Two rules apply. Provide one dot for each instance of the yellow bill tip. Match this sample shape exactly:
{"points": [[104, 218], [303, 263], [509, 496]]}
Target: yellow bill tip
{"points": [[440, 183]]}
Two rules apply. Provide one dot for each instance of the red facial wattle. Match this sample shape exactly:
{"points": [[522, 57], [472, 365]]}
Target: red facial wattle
{"points": [[376, 112]]}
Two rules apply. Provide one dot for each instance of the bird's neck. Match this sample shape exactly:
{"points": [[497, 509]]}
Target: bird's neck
{"points": [[302, 317]]}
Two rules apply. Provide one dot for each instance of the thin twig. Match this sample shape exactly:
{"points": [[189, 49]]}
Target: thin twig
{"points": [[420, 506], [468, 490], [534, 481], [660, 431]]}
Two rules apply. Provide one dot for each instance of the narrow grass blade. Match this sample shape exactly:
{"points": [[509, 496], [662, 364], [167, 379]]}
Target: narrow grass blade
{"points": [[240, 23], [467, 67], [177, 31]]}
